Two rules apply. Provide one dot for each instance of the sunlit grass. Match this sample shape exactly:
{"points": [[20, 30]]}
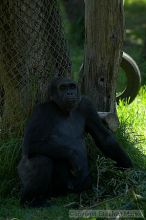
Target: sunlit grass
{"points": [[132, 131], [134, 115], [129, 2]]}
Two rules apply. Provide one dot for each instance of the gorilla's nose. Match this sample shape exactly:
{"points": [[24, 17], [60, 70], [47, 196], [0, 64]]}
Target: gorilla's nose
{"points": [[70, 94]]}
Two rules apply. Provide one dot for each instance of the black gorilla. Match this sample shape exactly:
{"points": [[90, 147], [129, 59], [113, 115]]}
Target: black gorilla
{"points": [[54, 155]]}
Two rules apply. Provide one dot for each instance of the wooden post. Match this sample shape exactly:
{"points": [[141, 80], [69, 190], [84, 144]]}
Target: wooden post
{"points": [[103, 46]]}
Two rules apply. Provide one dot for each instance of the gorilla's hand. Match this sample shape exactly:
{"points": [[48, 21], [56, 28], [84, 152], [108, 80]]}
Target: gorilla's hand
{"points": [[75, 164]]}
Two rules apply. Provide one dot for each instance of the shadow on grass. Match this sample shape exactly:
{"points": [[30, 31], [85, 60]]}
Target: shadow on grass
{"points": [[135, 37]]}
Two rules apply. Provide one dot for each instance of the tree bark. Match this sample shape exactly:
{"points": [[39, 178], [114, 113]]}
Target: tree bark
{"points": [[103, 46], [32, 51]]}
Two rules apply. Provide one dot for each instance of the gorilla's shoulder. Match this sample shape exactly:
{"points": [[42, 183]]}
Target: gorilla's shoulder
{"points": [[85, 101], [42, 107], [85, 104]]}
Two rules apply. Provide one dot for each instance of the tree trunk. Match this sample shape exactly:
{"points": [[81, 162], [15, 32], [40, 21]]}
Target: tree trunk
{"points": [[103, 44], [32, 51]]}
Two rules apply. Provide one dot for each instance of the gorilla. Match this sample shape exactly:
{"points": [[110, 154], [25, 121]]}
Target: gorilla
{"points": [[54, 155]]}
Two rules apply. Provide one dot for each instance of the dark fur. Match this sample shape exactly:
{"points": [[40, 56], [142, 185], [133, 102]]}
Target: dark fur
{"points": [[54, 156]]}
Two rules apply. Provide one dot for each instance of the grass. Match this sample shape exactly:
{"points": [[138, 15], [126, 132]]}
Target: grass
{"points": [[131, 134], [135, 34], [10, 209], [132, 125]]}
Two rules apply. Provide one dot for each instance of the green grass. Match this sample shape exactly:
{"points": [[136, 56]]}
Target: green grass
{"points": [[9, 154], [135, 36], [135, 114], [132, 127], [10, 209]]}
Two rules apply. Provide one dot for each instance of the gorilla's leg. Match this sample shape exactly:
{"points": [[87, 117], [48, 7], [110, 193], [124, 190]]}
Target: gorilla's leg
{"points": [[83, 183], [60, 177], [36, 178], [64, 181]]}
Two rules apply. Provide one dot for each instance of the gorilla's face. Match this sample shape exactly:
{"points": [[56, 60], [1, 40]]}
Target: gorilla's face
{"points": [[66, 95]]}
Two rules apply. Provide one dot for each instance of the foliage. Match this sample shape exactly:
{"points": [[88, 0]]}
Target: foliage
{"points": [[135, 36], [9, 155]]}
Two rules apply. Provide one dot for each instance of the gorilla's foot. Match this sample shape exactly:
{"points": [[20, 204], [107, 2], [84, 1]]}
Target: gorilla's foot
{"points": [[36, 203]]}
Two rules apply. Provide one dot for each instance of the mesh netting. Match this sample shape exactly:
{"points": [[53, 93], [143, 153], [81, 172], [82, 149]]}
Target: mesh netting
{"points": [[32, 50]]}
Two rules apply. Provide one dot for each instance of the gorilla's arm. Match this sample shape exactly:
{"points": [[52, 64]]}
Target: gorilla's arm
{"points": [[104, 138]]}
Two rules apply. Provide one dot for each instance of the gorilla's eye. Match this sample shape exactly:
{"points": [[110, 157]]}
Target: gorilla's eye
{"points": [[62, 87], [72, 86]]}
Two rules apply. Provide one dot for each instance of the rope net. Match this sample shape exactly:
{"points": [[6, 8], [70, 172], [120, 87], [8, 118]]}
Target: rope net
{"points": [[32, 50]]}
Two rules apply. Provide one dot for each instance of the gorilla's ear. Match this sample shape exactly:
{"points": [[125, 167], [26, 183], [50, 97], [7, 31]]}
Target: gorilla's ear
{"points": [[52, 88], [79, 92]]}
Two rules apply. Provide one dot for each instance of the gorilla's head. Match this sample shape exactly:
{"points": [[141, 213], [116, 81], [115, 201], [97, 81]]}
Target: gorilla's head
{"points": [[65, 93]]}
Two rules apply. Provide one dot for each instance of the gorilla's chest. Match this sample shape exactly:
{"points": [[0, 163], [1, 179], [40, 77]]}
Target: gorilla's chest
{"points": [[67, 129], [63, 130]]}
